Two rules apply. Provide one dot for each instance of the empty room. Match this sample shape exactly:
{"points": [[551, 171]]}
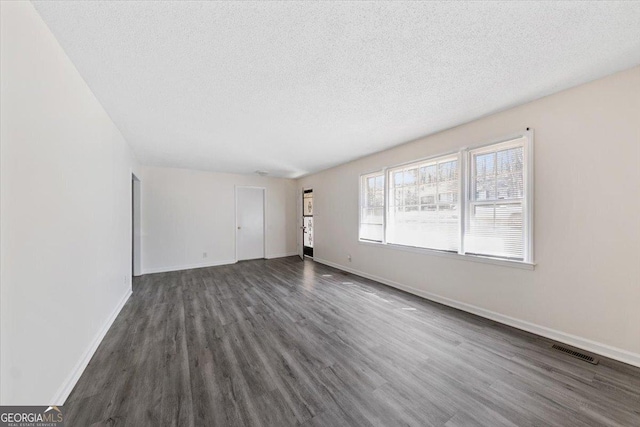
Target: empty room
{"points": [[266, 213]]}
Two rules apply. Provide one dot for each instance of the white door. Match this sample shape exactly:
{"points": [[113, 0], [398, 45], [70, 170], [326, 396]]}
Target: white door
{"points": [[300, 228], [249, 223]]}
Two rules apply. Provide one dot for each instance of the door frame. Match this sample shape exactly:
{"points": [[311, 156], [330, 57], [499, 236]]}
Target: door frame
{"points": [[304, 190], [136, 226], [300, 222], [264, 218]]}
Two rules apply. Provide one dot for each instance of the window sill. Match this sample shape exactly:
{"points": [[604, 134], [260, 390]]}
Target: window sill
{"points": [[473, 258]]}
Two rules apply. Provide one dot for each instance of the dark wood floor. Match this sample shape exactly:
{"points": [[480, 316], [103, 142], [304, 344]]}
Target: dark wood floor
{"points": [[279, 343]]}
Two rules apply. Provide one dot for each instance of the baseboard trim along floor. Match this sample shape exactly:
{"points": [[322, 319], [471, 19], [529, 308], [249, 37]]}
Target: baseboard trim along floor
{"points": [[572, 340], [63, 393]]}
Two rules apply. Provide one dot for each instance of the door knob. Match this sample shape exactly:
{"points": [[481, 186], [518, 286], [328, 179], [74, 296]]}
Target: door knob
{"points": [[239, 228]]}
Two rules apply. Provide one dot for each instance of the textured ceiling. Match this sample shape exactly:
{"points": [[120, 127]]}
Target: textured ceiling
{"points": [[293, 88]]}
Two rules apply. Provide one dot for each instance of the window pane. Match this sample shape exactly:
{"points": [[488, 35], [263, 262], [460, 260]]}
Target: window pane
{"points": [[427, 194], [372, 216], [411, 176], [510, 160], [410, 196], [397, 179], [308, 204], [496, 230], [398, 196], [371, 184], [448, 171], [448, 191], [450, 197], [428, 174], [371, 232], [485, 188], [448, 225], [308, 235], [379, 198], [510, 186], [485, 164], [372, 207], [499, 175], [427, 215], [370, 196]]}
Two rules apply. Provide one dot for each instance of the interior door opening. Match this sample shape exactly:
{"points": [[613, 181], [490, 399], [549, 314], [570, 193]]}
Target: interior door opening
{"points": [[307, 223]]}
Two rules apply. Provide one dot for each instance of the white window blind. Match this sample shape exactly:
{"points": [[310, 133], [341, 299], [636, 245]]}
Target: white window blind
{"points": [[423, 206], [372, 207], [496, 201]]}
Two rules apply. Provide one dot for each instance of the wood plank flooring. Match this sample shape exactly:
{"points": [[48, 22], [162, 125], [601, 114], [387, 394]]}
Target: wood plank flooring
{"points": [[285, 342]]}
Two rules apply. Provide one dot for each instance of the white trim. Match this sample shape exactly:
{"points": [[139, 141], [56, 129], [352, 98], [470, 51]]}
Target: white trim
{"points": [[529, 253], [187, 266], [605, 350], [300, 222], [385, 211], [463, 172], [302, 216], [136, 241], [67, 386], [284, 255], [454, 255]]}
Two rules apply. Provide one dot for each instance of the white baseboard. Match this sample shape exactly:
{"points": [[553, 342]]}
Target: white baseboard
{"points": [[572, 340], [187, 266], [282, 255], [63, 392]]}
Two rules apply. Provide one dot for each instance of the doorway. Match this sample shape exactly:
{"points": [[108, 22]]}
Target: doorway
{"points": [[250, 241], [307, 223], [136, 263]]}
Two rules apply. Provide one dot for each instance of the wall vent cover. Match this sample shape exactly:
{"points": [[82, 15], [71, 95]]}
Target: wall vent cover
{"points": [[576, 354]]}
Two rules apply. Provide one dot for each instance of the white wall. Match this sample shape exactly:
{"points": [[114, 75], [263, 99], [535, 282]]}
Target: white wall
{"points": [[65, 217], [186, 213], [585, 289]]}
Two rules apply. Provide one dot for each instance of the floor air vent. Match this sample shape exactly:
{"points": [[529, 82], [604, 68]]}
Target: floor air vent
{"points": [[576, 354]]}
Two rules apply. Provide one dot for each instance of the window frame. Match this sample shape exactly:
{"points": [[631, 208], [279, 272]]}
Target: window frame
{"points": [[363, 177], [527, 186], [464, 155]]}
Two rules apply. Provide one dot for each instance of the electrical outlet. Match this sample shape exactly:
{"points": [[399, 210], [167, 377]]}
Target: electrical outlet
{"points": [[204, 254], [349, 257]]}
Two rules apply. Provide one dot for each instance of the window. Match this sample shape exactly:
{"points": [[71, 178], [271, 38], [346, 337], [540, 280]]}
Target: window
{"points": [[372, 207], [423, 204], [496, 201]]}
